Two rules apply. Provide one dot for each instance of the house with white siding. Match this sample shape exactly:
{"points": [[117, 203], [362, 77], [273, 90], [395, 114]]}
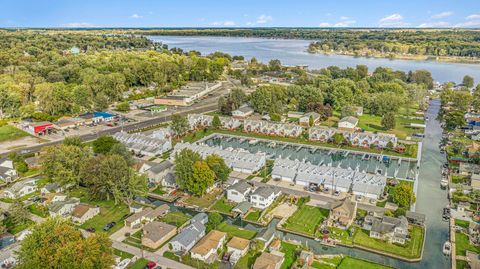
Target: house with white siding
{"points": [[264, 196], [239, 192], [142, 144], [322, 134]]}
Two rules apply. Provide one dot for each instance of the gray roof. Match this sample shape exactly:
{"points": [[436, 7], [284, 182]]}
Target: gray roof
{"points": [[189, 234], [51, 187], [266, 234], [200, 217], [415, 216], [350, 119], [242, 207], [56, 206], [170, 178], [245, 109], [241, 186], [388, 224], [160, 167], [264, 191]]}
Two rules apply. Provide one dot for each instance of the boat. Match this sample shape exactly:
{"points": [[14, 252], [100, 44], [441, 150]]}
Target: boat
{"points": [[253, 142], [447, 248], [444, 183]]}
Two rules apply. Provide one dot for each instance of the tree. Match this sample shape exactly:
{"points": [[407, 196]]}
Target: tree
{"points": [[454, 119], [123, 107], [214, 219], [73, 141], [18, 213], [62, 163], [184, 161], [403, 195], [121, 150], [218, 166], [275, 65], [311, 121], [338, 138], [468, 81], [56, 243], [109, 176], [457, 147], [216, 123], [347, 111], [179, 125], [103, 144], [388, 121], [202, 178]]}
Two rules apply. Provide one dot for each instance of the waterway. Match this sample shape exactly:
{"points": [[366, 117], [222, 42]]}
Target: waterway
{"points": [[293, 52], [430, 201]]}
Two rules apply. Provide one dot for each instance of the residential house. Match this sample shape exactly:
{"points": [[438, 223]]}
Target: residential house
{"points": [[348, 123], [156, 233], [467, 169], [206, 249], [238, 247], [368, 185], [230, 123], [189, 236], [268, 261], [170, 180], [285, 169], [306, 258], [142, 144], [243, 112], [305, 119], [196, 121], [63, 208], [146, 215], [343, 213], [134, 208], [84, 212], [242, 208], [322, 134], [266, 236], [7, 170], [390, 229], [156, 172], [163, 133], [415, 217], [49, 198], [51, 188], [264, 196], [239, 191], [20, 189]]}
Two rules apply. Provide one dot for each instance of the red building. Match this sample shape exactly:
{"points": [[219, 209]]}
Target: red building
{"points": [[40, 128]]}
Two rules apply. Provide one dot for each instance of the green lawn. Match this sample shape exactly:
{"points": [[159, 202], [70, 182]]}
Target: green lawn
{"points": [[108, 211], [462, 223], [253, 215], [349, 263], [411, 249], [171, 256], [175, 218], [248, 260], [318, 265], [139, 264], [461, 264], [223, 206], [38, 210], [13, 228], [372, 123], [340, 234], [8, 132], [204, 201], [290, 258], [459, 179], [232, 230], [158, 190], [462, 244], [306, 219], [122, 254]]}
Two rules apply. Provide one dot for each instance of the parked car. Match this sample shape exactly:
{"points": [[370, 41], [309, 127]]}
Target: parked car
{"points": [[109, 226], [90, 230]]}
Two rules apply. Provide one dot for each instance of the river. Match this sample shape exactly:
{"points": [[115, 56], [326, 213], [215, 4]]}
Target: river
{"points": [[293, 52]]}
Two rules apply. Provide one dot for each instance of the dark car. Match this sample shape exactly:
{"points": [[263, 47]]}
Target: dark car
{"points": [[90, 230], [109, 226]]}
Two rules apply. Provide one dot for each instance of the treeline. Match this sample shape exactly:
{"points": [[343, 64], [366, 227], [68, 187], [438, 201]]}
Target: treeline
{"points": [[379, 93], [39, 80], [434, 42]]}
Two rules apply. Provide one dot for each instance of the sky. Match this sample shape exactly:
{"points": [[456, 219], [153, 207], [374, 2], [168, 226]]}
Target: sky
{"points": [[240, 13]]}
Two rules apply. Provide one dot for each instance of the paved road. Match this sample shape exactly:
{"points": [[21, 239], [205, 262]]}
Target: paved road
{"points": [[160, 260], [126, 128]]}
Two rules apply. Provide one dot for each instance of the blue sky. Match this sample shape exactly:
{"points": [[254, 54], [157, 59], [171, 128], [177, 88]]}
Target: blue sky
{"points": [[240, 13]]}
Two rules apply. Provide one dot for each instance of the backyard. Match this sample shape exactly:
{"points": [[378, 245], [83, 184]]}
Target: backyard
{"points": [[204, 201], [462, 244], [253, 215], [175, 218], [306, 219], [232, 230], [347, 263], [248, 260], [8, 132], [412, 248], [223, 206], [289, 250]]}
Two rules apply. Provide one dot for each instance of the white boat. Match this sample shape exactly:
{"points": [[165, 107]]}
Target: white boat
{"points": [[444, 183], [253, 142], [447, 248]]}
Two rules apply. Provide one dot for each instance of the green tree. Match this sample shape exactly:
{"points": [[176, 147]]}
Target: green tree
{"points": [[454, 119], [121, 150], [311, 121], [73, 141], [338, 138], [388, 121], [184, 161], [179, 125], [214, 219], [123, 107], [403, 195], [347, 111], [18, 213], [103, 144], [56, 243], [468, 81], [218, 166], [202, 178], [216, 123]]}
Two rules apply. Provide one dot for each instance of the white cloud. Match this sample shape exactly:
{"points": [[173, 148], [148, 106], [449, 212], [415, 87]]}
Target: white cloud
{"points": [[264, 19], [135, 16], [223, 23], [344, 18], [325, 24], [471, 23], [249, 23], [434, 24], [442, 15], [344, 23], [79, 25], [394, 20], [393, 17], [473, 17]]}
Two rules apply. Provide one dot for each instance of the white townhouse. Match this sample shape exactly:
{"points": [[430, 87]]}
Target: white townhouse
{"points": [[243, 112], [230, 123], [142, 144], [163, 133], [285, 169], [7, 170], [199, 120], [264, 196], [322, 134], [239, 191], [368, 185], [305, 119]]}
